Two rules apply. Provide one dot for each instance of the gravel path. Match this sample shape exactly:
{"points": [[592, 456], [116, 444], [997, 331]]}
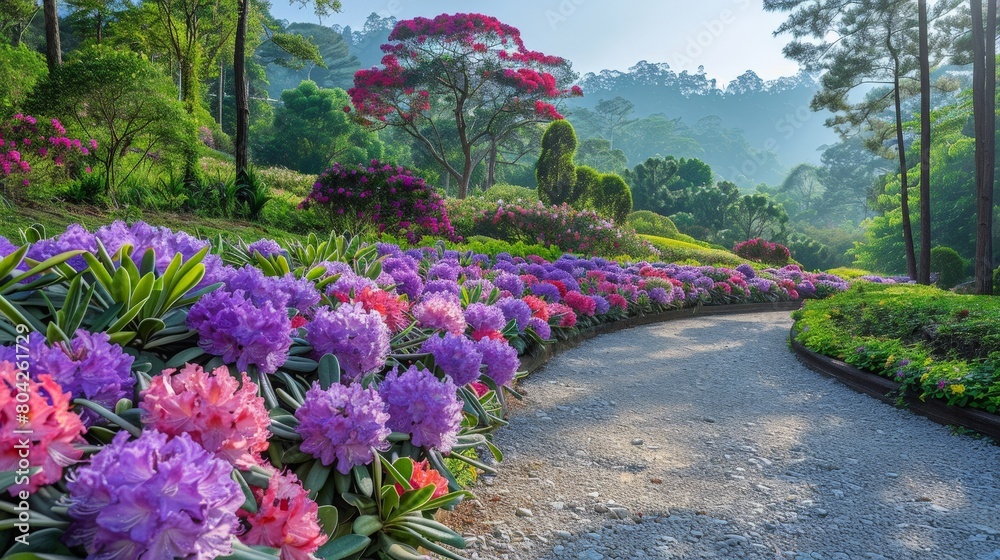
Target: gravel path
{"points": [[705, 438]]}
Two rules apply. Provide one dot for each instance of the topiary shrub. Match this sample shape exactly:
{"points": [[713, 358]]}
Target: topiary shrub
{"points": [[555, 172], [759, 250], [588, 182], [950, 265], [613, 198], [382, 196], [647, 222]]}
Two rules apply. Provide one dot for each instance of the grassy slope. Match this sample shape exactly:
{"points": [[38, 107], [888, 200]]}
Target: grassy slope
{"points": [[675, 250], [55, 216]]}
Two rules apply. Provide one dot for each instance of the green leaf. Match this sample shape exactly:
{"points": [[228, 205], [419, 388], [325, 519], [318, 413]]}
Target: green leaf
{"points": [[41, 267], [343, 547], [366, 525], [363, 480], [328, 518], [433, 530], [414, 500], [317, 477], [249, 503], [329, 371]]}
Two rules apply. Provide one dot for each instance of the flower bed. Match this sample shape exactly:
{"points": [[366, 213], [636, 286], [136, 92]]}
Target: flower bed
{"points": [[316, 399], [936, 344]]}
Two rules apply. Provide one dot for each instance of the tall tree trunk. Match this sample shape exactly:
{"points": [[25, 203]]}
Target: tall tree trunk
{"points": [[242, 91], [189, 86], [911, 261], [491, 167], [984, 112], [924, 267], [53, 50], [222, 87]]}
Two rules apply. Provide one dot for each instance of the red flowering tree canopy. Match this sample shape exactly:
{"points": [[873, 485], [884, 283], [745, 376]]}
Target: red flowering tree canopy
{"points": [[460, 83]]}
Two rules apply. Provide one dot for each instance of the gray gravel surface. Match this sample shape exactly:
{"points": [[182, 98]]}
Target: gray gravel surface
{"points": [[705, 438]]}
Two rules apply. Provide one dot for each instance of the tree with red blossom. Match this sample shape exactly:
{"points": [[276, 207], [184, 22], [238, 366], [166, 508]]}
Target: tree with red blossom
{"points": [[467, 72]]}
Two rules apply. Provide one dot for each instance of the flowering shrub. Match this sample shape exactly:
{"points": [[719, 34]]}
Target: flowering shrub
{"points": [[23, 140], [389, 197], [763, 251], [274, 396], [577, 231]]}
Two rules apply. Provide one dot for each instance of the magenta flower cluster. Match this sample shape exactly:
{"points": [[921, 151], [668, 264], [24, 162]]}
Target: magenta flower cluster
{"points": [[389, 197], [23, 140]]}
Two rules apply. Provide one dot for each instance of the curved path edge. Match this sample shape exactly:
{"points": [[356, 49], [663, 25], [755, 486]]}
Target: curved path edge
{"points": [[534, 362], [887, 391]]}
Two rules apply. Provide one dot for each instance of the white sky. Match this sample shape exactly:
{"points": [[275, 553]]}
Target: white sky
{"points": [[728, 37]]}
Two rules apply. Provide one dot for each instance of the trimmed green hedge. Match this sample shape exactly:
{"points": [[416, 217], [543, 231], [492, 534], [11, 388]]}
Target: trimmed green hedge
{"points": [[935, 343]]}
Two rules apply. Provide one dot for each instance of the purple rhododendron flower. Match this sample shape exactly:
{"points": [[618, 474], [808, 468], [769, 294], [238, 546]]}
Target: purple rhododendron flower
{"points": [[89, 367], [359, 338], [154, 498], [747, 271], [482, 317], [515, 309], [440, 311], [601, 305], [541, 328], [509, 282], [423, 406], [660, 295], [444, 270], [75, 237], [442, 286], [231, 326], [344, 424], [6, 247], [266, 248], [500, 360], [457, 356], [546, 291]]}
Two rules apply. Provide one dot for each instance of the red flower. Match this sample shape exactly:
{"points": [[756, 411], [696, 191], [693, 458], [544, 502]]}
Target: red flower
{"points": [[424, 475]]}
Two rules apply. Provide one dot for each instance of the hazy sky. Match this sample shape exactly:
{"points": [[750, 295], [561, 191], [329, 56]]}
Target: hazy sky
{"points": [[728, 37]]}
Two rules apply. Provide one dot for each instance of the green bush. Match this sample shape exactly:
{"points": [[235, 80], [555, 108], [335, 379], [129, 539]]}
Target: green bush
{"points": [[651, 223], [510, 194], [613, 198], [950, 265], [20, 69], [812, 254], [588, 182]]}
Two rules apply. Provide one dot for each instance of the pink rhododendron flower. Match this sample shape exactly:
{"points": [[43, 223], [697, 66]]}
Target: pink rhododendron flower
{"points": [[226, 417], [286, 519], [51, 428]]}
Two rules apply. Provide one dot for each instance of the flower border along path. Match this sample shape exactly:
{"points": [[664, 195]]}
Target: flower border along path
{"points": [[532, 362], [888, 391]]}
